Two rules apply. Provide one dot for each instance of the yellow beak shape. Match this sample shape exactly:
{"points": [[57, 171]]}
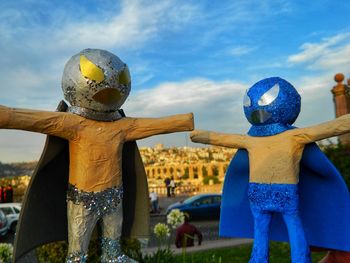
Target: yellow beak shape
{"points": [[107, 96]]}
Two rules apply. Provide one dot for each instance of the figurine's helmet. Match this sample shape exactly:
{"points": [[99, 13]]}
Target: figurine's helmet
{"points": [[271, 100], [96, 80]]}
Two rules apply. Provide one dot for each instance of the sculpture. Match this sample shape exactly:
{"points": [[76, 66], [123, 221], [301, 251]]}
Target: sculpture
{"points": [[105, 169], [285, 180]]}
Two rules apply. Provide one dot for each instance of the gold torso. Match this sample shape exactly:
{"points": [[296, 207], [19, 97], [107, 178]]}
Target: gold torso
{"points": [[96, 155], [274, 159]]}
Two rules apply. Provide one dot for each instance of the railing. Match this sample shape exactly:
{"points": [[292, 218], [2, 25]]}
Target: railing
{"points": [[188, 189]]}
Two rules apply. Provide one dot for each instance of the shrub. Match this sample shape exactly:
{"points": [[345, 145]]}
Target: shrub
{"points": [[132, 248], [206, 179], [56, 252], [6, 251], [339, 155]]}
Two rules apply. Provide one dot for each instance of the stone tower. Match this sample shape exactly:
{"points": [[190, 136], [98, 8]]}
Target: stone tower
{"points": [[341, 98]]}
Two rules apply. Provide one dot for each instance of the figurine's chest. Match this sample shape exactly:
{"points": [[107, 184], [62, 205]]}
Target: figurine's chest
{"points": [[275, 159], [278, 144], [100, 133], [98, 143]]}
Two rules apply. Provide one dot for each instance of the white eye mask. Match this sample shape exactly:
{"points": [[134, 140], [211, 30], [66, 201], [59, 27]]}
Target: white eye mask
{"points": [[269, 96], [246, 100]]}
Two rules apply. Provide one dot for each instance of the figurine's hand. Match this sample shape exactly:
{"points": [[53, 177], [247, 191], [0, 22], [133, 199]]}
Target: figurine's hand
{"points": [[4, 116], [191, 118], [200, 136], [4, 109], [220, 139]]}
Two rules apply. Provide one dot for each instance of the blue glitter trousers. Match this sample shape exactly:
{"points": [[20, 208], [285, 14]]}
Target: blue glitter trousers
{"points": [[267, 199]]}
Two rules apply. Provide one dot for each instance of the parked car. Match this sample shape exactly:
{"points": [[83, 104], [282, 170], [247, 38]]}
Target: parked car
{"points": [[203, 206], [3, 224], [11, 210]]}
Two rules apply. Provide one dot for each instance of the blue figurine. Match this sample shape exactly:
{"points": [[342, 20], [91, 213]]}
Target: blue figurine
{"points": [[286, 189]]}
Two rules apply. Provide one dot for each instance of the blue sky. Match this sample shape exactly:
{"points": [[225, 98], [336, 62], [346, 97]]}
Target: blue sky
{"points": [[184, 56]]}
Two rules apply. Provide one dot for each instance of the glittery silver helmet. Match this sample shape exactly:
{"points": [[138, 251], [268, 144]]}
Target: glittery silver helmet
{"points": [[96, 80]]}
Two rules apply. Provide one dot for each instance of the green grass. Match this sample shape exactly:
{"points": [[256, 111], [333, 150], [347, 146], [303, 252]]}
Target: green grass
{"points": [[279, 253]]}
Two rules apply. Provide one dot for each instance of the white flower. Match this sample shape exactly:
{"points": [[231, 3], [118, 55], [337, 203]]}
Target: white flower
{"points": [[6, 251], [161, 230], [175, 218]]}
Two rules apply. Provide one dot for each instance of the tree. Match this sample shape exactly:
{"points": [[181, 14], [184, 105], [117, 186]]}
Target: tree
{"points": [[186, 174], [204, 171], [339, 155], [215, 171]]}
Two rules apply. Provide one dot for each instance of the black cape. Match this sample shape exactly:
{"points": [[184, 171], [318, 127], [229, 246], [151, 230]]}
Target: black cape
{"points": [[43, 217]]}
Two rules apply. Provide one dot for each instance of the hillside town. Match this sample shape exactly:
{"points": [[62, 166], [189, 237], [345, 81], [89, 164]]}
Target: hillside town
{"points": [[188, 166]]}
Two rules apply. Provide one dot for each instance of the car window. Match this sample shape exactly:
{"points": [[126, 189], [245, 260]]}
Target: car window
{"points": [[7, 210], [216, 199], [2, 219], [190, 200], [2, 215], [16, 210], [203, 201]]}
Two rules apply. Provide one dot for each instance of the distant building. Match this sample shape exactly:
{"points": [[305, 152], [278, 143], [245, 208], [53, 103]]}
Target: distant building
{"points": [[185, 163], [159, 147], [341, 99]]}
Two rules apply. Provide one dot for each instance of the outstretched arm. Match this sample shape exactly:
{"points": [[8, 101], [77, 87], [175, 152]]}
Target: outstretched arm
{"points": [[140, 128], [324, 130], [220, 139], [52, 123]]}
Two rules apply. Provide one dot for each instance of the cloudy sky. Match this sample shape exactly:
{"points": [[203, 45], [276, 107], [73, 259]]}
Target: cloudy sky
{"points": [[184, 56]]}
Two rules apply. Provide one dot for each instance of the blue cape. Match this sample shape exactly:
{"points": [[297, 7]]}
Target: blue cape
{"points": [[324, 202]]}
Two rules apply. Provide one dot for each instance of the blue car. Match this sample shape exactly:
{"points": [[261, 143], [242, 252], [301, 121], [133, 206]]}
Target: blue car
{"points": [[203, 206]]}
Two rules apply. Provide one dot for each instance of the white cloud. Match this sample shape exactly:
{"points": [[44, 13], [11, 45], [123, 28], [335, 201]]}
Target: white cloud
{"points": [[17, 146], [240, 50], [338, 59], [316, 99], [325, 59], [191, 94], [330, 53], [329, 56], [30, 87], [136, 23], [34, 53], [216, 106]]}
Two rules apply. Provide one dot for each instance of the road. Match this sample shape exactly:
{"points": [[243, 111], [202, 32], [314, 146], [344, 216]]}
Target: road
{"points": [[208, 228]]}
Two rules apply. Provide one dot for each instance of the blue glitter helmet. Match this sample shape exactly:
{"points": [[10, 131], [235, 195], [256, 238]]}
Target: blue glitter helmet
{"points": [[271, 106]]}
